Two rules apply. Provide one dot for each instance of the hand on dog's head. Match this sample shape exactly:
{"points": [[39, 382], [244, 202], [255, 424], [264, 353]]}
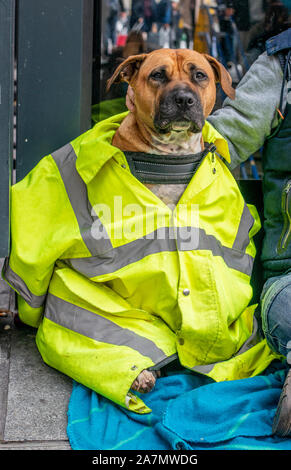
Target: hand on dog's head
{"points": [[172, 89]]}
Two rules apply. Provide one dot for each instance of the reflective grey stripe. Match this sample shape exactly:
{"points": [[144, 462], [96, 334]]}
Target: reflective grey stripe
{"points": [[204, 369], [242, 237], [249, 343], [124, 255], [252, 340], [191, 238], [161, 240], [164, 362], [19, 285], [96, 327], [76, 188]]}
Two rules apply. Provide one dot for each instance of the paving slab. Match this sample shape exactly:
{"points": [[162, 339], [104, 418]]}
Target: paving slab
{"points": [[5, 342], [34, 397], [36, 445]]}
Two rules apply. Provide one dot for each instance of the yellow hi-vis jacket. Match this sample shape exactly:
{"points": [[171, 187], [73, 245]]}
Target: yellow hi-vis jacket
{"points": [[117, 282]]}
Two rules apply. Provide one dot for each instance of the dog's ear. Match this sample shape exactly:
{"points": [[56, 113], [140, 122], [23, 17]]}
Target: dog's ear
{"points": [[126, 69], [222, 76]]}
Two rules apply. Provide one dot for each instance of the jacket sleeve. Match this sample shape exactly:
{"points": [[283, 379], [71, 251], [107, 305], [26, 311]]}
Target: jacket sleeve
{"points": [[248, 120], [42, 227]]}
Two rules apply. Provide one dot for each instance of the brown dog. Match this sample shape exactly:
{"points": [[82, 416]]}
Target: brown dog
{"points": [[171, 92]]}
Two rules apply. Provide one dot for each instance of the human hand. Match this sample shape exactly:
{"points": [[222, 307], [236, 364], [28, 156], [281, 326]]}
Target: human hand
{"points": [[130, 99]]}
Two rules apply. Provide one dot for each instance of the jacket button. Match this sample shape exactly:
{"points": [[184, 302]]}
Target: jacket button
{"points": [[181, 341], [186, 291]]}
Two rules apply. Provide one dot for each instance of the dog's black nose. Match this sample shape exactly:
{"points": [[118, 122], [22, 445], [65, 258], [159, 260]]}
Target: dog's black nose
{"points": [[184, 99]]}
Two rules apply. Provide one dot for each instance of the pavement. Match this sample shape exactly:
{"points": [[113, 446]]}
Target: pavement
{"points": [[33, 397]]}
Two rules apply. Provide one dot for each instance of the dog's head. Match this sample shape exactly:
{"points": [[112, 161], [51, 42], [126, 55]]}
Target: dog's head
{"points": [[174, 89]]}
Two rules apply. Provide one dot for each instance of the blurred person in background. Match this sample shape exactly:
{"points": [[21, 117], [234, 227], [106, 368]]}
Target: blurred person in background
{"points": [[114, 9], [276, 20], [165, 36], [163, 12], [122, 26], [175, 21], [150, 14], [187, 22], [134, 45], [163, 17], [247, 13], [153, 39], [137, 13], [225, 14], [143, 15]]}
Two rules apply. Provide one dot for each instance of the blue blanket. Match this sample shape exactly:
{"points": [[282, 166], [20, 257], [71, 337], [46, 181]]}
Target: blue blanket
{"points": [[189, 411]]}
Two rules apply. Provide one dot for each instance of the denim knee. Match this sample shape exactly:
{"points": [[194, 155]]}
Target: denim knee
{"points": [[276, 313]]}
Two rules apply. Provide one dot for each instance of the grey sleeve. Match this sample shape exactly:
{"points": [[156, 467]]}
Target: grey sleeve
{"points": [[247, 120]]}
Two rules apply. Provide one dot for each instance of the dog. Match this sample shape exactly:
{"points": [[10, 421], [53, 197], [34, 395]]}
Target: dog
{"points": [[170, 94]]}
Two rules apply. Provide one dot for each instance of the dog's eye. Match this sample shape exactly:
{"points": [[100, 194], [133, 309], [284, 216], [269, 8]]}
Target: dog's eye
{"points": [[158, 75], [200, 76]]}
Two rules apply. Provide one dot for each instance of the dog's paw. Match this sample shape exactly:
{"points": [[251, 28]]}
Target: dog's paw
{"points": [[145, 381]]}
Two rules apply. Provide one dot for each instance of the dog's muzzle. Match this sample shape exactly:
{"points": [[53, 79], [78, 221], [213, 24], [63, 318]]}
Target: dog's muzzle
{"points": [[179, 109]]}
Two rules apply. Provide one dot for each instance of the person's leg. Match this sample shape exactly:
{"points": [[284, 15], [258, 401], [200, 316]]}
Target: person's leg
{"points": [[276, 313], [276, 319]]}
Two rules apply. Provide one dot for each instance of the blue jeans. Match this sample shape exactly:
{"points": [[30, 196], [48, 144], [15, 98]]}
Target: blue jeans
{"points": [[276, 313]]}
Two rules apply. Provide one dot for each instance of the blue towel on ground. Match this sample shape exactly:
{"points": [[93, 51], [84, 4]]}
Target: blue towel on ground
{"points": [[189, 411]]}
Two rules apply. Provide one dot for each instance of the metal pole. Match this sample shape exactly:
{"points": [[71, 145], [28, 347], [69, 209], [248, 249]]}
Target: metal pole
{"points": [[97, 52], [7, 17]]}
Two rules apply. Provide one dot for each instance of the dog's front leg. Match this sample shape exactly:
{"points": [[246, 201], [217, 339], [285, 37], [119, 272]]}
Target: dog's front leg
{"points": [[145, 381]]}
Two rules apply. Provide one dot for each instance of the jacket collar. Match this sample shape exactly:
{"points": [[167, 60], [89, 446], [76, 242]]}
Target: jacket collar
{"points": [[94, 147]]}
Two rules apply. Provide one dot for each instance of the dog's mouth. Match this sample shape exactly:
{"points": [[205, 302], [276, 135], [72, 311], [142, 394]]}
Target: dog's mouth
{"points": [[179, 126], [164, 126]]}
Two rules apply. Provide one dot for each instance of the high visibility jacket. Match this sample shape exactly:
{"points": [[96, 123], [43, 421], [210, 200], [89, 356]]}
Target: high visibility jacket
{"points": [[118, 282]]}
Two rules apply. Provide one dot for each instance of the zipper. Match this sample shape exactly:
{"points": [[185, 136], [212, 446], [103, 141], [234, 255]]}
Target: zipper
{"points": [[211, 149], [286, 212]]}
